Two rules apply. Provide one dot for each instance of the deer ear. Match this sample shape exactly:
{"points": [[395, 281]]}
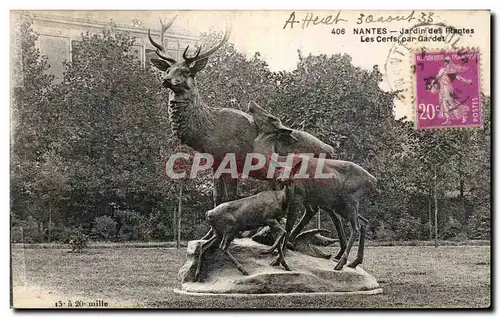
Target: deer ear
{"points": [[285, 131], [197, 66], [160, 64], [253, 107], [285, 135]]}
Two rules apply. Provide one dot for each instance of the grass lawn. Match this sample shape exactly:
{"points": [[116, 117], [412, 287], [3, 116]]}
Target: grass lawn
{"points": [[411, 276]]}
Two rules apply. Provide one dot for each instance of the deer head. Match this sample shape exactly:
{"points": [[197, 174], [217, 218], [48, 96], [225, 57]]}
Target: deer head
{"points": [[179, 76], [268, 124]]}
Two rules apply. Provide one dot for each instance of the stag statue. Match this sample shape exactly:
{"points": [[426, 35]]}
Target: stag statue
{"points": [[217, 131], [206, 129]]}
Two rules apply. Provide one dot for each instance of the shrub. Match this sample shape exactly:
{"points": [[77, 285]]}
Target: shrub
{"points": [[130, 223], [451, 229], [479, 224], [195, 232], [161, 231], [425, 231], [27, 231], [16, 234], [78, 240], [383, 232], [104, 227], [148, 226], [407, 228], [60, 233]]}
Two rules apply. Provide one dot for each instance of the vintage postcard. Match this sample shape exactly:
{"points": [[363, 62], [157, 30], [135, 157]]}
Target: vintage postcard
{"points": [[250, 159]]}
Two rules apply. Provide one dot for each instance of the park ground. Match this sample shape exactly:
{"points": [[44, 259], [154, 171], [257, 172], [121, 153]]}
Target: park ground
{"points": [[138, 277]]}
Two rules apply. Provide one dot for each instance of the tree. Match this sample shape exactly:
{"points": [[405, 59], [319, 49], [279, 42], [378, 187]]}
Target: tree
{"points": [[479, 225], [408, 228], [104, 227], [38, 173], [114, 124], [231, 80]]}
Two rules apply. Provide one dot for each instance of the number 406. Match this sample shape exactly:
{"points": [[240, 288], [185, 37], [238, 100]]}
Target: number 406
{"points": [[427, 111]]}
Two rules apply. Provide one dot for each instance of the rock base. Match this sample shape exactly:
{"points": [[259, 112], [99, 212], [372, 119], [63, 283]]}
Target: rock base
{"points": [[309, 274]]}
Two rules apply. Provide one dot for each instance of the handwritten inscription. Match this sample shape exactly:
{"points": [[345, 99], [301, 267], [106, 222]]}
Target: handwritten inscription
{"points": [[312, 19], [423, 17]]}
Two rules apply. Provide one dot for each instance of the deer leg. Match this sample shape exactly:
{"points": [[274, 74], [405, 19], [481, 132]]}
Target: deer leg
{"points": [[361, 245], [363, 219], [291, 218], [280, 243], [275, 226], [337, 222], [272, 248], [205, 246], [280, 259], [282, 250], [352, 213], [208, 235], [236, 263], [306, 217], [226, 240], [218, 192]]}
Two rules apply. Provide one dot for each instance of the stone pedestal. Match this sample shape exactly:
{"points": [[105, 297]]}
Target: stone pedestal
{"points": [[309, 274]]}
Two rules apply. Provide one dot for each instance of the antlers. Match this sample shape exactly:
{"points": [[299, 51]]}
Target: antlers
{"points": [[198, 57], [160, 50], [162, 53]]}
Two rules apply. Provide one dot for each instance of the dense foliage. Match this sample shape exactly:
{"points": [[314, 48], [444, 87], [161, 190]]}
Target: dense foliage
{"points": [[90, 152]]}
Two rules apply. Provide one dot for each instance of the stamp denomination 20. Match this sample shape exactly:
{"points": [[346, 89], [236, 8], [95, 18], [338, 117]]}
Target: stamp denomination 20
{"points": [[447, 88]]}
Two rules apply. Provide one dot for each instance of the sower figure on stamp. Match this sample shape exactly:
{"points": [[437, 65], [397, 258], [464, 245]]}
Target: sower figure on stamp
{"points": [[451, 107]]}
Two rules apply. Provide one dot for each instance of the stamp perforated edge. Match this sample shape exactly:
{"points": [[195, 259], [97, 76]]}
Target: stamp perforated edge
{"points": [[414, 87]]}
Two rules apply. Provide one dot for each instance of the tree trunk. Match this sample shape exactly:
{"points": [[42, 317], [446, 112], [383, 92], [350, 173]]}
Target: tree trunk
{"points": [[435, 208], [429, 201], [179, 218], [174, 225], [49, 225], [318, 219], [462, 185]]}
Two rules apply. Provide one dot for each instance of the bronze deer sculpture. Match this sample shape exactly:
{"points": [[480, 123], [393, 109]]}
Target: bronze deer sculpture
{"points": [[274, 137], [230, 218], [217, 131], [206, 129], [340, 193]]}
